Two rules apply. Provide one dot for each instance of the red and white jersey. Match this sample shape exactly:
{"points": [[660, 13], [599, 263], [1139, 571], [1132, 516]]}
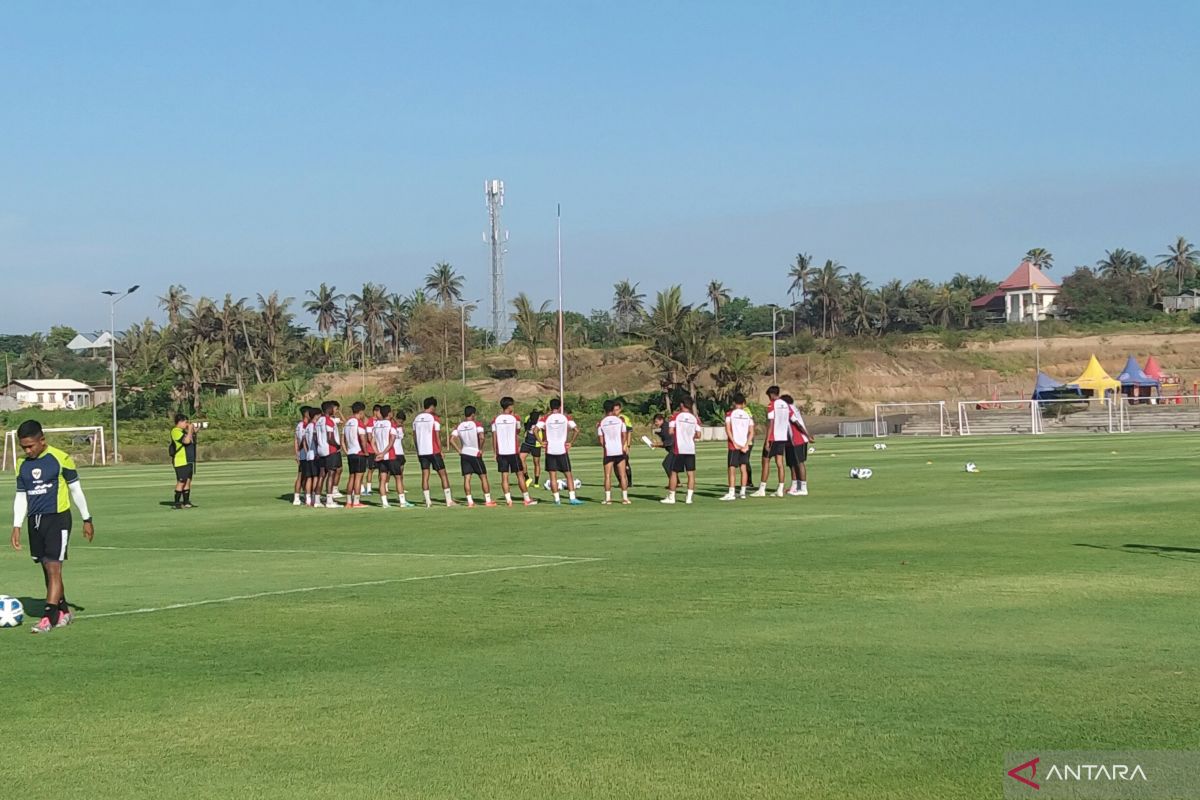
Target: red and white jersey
{"points": [[337, 433], [612, 433], [556, 426], [740, 423], [398, 442], [506, 429], [469, 432], [684, 425], [368, 427], [779, 421], [798, 430], [310, 440], [426, 427], [301, 442], [353, 443], [324, 429], [381, 435]]}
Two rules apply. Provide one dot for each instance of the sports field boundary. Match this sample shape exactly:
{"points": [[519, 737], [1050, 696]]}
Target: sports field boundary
{"points": [[269, 551]]}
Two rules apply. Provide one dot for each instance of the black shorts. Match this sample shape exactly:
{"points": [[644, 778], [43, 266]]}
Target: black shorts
{"points": [[333, 462], [772, 449], [509, 463], [683, 462], [394, 465], [434, 462], [534, 450], [614, 459], [797, 454], [558, 463], [49, 535], [311, 468], [668, 463], [738, 459], [358, 463], [472, 465], [184, 473]]}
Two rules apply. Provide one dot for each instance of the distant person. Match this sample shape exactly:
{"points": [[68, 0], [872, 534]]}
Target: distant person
{"points": [[183, 458], [666, 441], [468, 439], [797, 454], [426, 432], [739, 436], [328, 452], [779, 436], [686, 428], [560, 432], [506, 436], [47, 485], [369, 429], [354, 437], [300, 448], [531, 447], [614, 438], [620, 409]]}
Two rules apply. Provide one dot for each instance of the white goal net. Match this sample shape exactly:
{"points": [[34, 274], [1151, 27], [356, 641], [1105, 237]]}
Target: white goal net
{"points": [[84, 444], [913, 419], [997, 417]]}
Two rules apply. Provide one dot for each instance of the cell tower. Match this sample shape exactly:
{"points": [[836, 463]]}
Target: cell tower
{"points": [[494, 193]]}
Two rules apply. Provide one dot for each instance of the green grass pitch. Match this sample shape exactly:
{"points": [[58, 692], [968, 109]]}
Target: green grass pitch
{"points": [[889, 638]]}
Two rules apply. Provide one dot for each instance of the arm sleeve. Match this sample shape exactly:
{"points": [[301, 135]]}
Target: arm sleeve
{"points": [[79, 500], [20, 509]]}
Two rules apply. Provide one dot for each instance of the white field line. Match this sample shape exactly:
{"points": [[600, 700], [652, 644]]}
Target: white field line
{"points": [[336, 553], [307, 589]]}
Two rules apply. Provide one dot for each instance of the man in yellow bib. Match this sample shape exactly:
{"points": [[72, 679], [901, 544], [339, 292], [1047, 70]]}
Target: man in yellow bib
{"points": [[183, 457]]}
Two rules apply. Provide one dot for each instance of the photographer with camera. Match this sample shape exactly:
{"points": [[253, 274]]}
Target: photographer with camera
{"points": [[183, 456]]}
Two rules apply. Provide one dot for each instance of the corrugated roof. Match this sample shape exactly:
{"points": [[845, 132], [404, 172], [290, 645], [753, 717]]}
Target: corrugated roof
{"points": [[53, 385]]}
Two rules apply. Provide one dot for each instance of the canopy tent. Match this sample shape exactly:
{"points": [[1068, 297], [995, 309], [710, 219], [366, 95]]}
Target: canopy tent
{"points": [[1095, 380], [1154, 370], [1047, 388], [1135, 382]]}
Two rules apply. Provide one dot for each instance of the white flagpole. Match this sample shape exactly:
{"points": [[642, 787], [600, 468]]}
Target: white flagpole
{"points": [[560, 305]]}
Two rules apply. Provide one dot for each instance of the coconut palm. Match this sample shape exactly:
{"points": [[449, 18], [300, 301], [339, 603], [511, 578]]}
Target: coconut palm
{"points": [[943, 307], [628, 305], [717, 296], [324, 306], [1181, 261], [444, 283], [175, 302], [860, 304], [370, 307], [532, 328], [828, 290], [1121, 263], [1040, 257], [800, 272], [275, 322], [33, 360]]}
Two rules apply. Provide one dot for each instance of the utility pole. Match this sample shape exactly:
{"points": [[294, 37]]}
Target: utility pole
{"points": [[496, 238]]}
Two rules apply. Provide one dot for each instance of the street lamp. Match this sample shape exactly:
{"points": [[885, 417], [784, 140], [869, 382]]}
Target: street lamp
{"points": [[774, 334], [463, 331], [113, 299]]}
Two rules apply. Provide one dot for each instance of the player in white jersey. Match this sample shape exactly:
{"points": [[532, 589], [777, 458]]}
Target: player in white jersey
{"points": [[312, 490], [468, 439], [426, 432], [560, 432], [301, 449], [369, 428], [779, 436], [797, 454], [686, 427], [388, 440], [354, 439], [739, 434], [506, 444], [614, 437]]}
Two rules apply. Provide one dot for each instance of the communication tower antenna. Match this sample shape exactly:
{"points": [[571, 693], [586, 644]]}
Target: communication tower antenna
{"points": [[496, 238]]}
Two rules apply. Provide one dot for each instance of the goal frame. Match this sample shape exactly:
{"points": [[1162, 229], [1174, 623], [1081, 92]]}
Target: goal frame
{"points": [[11, 450], [944, 426]]}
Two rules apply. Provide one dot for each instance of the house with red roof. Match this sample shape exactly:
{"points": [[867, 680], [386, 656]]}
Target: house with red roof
{"points": [[1025, 295]]}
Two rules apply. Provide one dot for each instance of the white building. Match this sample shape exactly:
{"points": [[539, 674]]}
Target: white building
{"points": [[52, 394], [86, 346], [1025, 293]]}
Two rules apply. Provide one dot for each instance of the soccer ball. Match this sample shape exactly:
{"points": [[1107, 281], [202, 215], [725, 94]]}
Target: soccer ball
{"points": [[880, 446], [11, 612], [562, 484], [970, 467], [862, 473]]}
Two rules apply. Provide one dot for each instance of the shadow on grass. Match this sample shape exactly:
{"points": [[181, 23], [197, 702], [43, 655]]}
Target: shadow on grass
{"points": [[34, 605], [1160, 550]]}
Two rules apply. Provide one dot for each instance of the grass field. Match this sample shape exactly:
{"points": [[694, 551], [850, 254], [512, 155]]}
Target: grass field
{"points": [[889, 638]]}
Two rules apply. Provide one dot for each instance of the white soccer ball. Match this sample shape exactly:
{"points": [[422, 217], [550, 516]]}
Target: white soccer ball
{"points": [[880, 446], [11, 612], [562, 484], [862, 473], [970, 467]]}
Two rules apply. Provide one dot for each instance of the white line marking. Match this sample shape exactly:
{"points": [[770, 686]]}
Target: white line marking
{"points": [[306, 589], [336, 552]]}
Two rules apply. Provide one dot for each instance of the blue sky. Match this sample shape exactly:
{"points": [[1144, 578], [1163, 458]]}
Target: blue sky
{"points": [[251, 146]]}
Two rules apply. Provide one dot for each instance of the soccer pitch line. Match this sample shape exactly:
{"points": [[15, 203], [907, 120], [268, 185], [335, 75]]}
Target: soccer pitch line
{"points": [[265, 551], [332, 586]]}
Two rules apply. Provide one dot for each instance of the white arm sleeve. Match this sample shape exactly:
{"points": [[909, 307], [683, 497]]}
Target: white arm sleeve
{"points": [[79, 500], [20, 509]]}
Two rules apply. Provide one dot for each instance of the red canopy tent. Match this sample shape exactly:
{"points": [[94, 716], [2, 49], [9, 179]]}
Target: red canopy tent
{"points": [[1153, 369]]}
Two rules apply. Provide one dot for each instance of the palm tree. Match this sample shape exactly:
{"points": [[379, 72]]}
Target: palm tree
{"points": [[324, 306], [1121, 263], [531, 326], [1181, 260], [33, 360], [175, 302], [828, 289], [370, 306], [1040, 257], [717, 295], [943, 306], [667, 313], [276, 320], [628, 304], [859, 304], [800, 273], [444, 283]]}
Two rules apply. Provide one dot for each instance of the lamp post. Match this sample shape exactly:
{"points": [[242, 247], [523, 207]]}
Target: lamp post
{"points": [[113, 299], [1037, 336], [463, 331]]}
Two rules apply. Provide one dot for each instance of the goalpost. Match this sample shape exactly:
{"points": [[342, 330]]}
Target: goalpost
{"points": [[913, 419], [998, 417], [79, 442]]}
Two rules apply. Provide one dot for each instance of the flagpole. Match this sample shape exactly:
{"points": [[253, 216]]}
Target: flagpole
{"points": [[558, 226]]}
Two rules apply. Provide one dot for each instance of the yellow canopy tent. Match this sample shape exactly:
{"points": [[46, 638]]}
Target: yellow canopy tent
{"points": [[1095, 380]]}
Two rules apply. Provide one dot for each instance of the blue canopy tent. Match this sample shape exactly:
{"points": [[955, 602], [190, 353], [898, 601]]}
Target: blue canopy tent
{"points": [[1047, 388], [1135, 382]]}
